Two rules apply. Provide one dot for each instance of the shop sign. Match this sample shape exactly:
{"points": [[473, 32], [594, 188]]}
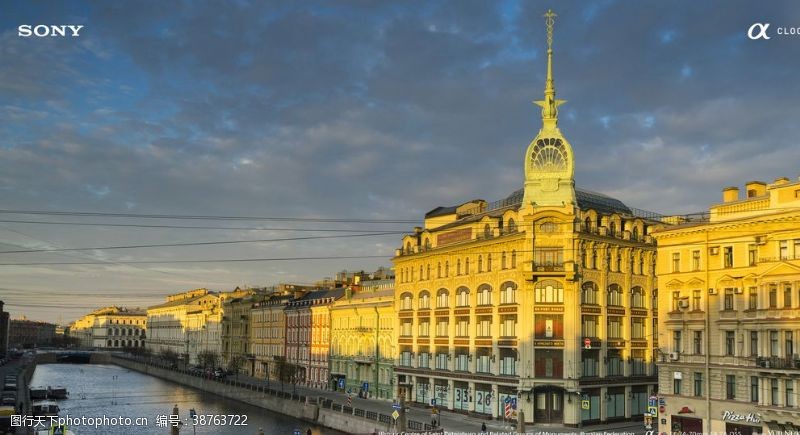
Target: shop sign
{"points": [[747, 418]]}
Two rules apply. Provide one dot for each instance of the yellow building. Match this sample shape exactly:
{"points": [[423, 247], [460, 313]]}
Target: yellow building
{"points": [[496, 300], [111, 327], [268, 323], [362, 342], [730, 314], [236, 332]]}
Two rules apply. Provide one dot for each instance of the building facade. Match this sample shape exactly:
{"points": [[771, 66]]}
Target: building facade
{"points": [[167, 323], [268, 323], [4, 324], [362, 339], [236, 331], [308, 335], [24, 333], [730, 314], [544, 298], [111, 328]]}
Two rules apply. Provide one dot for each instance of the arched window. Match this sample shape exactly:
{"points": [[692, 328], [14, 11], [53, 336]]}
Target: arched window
{"points": [[594, 258], [612, 229], [589, 293], [487, 231], [513, 259], [512, 226], [442, 298], [503, 260], [485, 295], [635, 233], [405, 301], [429, 272], [489, 263], [637, 297], [421, 276], [508, 293], [458, 267], [424, 300], [466, 266], [408, 247], [462, 297], [587, 224], [446, 269], [438, 270], [549, 291], [427, 243], [548, 227], [480, 264], [614, 298]]}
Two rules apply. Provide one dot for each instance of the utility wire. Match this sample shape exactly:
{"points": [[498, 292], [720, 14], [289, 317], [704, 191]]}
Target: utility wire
{"points": [[204, 217], [227, 260], [188, 227], [223, 242]]}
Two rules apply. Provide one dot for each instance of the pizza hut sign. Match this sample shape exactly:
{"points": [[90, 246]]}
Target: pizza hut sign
{"points": [[747, 418]]}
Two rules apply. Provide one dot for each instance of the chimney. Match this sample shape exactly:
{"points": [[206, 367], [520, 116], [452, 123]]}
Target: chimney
{"points": [[730, 194], [755, 189]]}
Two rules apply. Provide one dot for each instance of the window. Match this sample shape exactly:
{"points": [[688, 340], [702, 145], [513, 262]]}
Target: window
{"points": [[480, 264], [754, 389], [424, 360], [614, 364], [441, 360], [489, 263], [730, 343], [676, 299], [637, 297], [727, 256], [548, 326], [513, 259], [458, 267], [438, 270], [512, 226], [730, 387], [697, 342], [508, 295], [728, 299], [484, 295], [787, 295], [549, 292], [752, 254], [696, 298], [405, 358], [789, 393], [614, 295], [508, 362], [590, 363], [752, 298], [508, 326], [549, 363], [589, 326], [773, 296], [484, 326], [466, 266], [442, 327], [612, 229], [446, 269], [637, 328], [698, 384], [639, 363], [753, 343], [676, 262], [424, 300], [424, 328], [773, 343], [503, 260], [462, 359], [676, 341], [589, 293], [442, 297], [774, 392], [696, 260], [788, 343], [783, 249], [405, 328], [462, 297], [548, 258], [614, 327], [483, 364], [676, 387], [462, 327], [487, 231]]}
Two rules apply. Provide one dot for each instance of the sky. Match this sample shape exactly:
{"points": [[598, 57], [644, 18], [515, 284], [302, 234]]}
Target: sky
{"points": [[371, 113]]}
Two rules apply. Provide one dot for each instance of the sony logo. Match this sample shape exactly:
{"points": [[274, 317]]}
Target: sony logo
{"points": [[41, 30]]}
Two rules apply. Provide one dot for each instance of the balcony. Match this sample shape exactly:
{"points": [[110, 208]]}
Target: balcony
{"points": [[548, 267], [775, 362]]}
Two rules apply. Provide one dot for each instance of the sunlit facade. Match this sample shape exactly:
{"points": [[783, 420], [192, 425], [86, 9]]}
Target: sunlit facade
{"points": [[362, 344], [112, 328], [308, 335], [730, 314], [545, 297]]}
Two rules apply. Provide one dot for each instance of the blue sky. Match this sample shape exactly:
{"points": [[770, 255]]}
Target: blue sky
{"points": [[360, 110]]}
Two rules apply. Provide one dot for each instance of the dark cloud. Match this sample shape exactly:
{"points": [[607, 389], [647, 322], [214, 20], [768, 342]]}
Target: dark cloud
{"points": [[364, 109]]}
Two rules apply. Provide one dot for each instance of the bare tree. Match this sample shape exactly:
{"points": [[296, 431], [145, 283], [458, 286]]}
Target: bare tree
{"points": [[208, 359]]}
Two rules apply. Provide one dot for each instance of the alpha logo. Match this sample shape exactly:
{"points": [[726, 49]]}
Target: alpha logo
{"points": [[42, 30], [762, 31]]}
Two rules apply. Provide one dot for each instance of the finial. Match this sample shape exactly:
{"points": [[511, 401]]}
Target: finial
{"points": [[549, 20], [550, 103]]}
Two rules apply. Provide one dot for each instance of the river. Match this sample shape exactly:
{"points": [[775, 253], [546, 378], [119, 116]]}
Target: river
{"points": [[97, 390]]}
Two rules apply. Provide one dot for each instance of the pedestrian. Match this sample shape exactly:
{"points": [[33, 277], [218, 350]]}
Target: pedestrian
{"points": [[483, 427]]}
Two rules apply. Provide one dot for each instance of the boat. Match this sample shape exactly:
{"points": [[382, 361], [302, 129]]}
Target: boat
{"points": [[57, 392], [38, 393], [45, 408], [5, 417], [55, 430]]}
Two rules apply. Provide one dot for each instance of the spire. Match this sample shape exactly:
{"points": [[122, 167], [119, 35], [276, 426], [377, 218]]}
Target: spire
{"points": [[550, 104]]}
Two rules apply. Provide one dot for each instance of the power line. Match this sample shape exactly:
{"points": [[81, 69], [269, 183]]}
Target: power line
{"points": [[227, 260], [188, 227], [204, 217], [223, 242]]}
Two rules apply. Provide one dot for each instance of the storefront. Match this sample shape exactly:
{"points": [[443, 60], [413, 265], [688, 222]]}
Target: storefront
{"points": [[590, 405], [548, 404], [686, 426], [461, 396], [440, 393], [483, 399], [741, 429], [422, 391]]}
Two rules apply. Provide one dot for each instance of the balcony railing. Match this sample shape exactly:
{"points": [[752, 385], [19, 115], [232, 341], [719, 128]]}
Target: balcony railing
{"points": [[774, 362], [548, 267]]}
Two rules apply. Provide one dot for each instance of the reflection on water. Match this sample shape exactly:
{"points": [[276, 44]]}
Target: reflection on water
{"points": [[112, 391]]}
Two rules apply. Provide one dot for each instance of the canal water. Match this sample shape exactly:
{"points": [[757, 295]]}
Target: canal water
{"points": [[97, 390]]}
